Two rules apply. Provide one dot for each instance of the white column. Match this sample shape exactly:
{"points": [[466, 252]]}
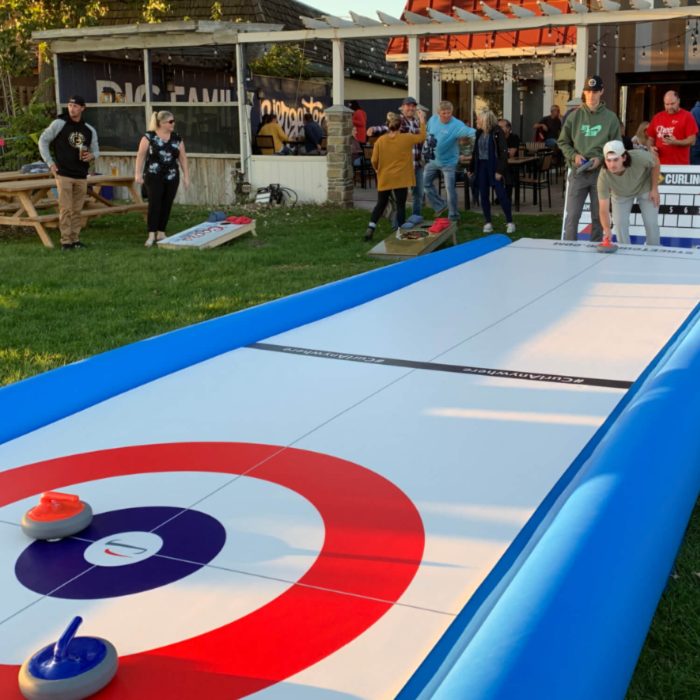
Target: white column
{"points": [[581, 58], [245, 144], [414, 68], [338, 72], [437, 91], [147, 84], [56, 83], [508, 93], [548, 92]]}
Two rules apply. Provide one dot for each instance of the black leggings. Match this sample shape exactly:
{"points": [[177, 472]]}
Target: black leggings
{"points": [[400, 195], [161, 194]]}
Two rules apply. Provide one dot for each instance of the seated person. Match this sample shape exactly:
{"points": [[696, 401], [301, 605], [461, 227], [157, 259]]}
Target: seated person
{"points": [[550, 127], [356, 150], [280, 139], [512, 140], [313, 135]]}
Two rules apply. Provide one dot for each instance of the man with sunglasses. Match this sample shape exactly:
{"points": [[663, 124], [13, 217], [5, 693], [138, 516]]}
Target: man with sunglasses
{"points": [[68, 145], [626, 177]]}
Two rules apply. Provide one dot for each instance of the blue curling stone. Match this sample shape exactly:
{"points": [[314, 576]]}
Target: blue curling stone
{"points": [[71, 669]]}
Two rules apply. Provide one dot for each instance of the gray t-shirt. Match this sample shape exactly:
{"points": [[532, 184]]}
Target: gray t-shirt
{"points": [[632, 182]]}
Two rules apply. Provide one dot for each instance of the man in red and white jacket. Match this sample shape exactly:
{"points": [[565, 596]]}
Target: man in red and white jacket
{"points": [[673, 131]]}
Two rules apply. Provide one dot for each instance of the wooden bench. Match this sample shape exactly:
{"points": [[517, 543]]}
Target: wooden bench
{"points": [[92, 211]]}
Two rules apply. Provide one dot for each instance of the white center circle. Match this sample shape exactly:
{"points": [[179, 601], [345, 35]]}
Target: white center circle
{"points": [[123, 548]]}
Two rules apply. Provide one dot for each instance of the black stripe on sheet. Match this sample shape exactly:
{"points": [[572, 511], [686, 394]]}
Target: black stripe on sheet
{"points": [[438, 367]]}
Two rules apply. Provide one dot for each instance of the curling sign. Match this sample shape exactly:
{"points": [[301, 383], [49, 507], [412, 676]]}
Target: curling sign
{"points": [[679, 212]]}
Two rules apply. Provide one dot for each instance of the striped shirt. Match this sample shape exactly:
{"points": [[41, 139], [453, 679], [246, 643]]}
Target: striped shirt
{"points": [[409, 125]]}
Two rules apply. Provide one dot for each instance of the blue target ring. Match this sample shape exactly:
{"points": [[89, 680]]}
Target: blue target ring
{"points": [[190, 540]]}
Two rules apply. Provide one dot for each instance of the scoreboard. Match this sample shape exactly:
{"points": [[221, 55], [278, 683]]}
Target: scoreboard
{"points": [[679, 211]]}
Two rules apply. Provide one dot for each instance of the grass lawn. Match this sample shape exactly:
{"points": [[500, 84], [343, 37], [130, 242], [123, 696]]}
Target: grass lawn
{"points": [[57, 307]]}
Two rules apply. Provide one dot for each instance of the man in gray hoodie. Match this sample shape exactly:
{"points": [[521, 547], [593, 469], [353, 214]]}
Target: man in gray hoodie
{"points": [[582, 138]]}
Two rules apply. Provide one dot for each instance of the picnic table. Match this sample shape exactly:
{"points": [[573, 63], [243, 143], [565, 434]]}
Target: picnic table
{"points": [[23, 198], [12, 175]]}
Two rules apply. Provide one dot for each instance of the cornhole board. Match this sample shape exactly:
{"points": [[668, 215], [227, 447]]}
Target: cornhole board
{"points": [[409, 246], [262, 530], [208, 234]]}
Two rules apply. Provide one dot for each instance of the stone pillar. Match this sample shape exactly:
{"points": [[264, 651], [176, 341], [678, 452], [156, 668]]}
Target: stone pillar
{"points": [[339, 158]]}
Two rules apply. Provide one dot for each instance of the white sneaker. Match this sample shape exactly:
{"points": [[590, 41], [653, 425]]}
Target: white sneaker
{"points": [[510, 228], [150, 240], [488, 228]]}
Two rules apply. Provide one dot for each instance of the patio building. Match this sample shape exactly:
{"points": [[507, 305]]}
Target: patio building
{"points": [[522, 72]]}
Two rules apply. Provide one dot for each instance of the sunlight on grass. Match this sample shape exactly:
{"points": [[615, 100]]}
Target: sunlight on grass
{"points": [[18, 363]]}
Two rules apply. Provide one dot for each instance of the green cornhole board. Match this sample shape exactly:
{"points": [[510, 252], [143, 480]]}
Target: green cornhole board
{"points": [[416, 242]]}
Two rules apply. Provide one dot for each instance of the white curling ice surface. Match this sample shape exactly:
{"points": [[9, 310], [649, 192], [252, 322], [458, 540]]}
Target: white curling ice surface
{"points": [[475, 454]]}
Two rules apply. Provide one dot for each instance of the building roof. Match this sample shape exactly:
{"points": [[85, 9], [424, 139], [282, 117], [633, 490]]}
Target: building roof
{"points": [[488, 43], [364, 58]]}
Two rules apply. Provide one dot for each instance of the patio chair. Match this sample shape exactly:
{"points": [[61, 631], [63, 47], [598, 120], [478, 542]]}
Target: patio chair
{"points": [[539, 180], [265, 145], [364, 172]]}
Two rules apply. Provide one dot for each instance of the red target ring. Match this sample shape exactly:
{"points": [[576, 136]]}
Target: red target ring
{"points": [[372, 549]]}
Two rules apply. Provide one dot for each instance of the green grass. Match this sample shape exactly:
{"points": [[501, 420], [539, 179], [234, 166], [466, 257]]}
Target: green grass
{"points": [[58, 307]]}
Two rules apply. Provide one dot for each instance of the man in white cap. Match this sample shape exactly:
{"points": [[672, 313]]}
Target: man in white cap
{"points": [[627, 176]]}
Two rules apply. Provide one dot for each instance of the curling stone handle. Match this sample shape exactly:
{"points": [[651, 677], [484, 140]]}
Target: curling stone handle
{"points": [[49, 497], [60, 649]]}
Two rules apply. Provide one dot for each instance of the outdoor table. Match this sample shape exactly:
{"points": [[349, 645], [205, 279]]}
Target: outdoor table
{"points": [[24, 196]]}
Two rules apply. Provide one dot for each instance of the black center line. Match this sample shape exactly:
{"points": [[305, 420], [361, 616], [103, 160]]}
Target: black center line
{"points": [[441, 367]]}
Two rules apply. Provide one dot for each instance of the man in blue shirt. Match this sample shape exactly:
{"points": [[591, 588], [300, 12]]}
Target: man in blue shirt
{"points": [[313, 135], [442, 155]]}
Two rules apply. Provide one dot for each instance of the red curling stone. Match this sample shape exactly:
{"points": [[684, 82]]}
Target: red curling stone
{"points": [[57, 515]]}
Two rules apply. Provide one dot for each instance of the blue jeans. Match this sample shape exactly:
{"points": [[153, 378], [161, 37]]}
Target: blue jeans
{"points": [[552, 143], [431, 171], [418, 192], [485, 180]]}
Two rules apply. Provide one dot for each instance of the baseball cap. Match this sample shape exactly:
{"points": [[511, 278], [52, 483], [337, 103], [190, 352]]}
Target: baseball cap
{"points": [[77, 99], [616, 147], [594, 83], [409, 101]]}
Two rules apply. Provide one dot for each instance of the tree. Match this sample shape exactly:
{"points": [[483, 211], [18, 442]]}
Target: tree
{"points": [[282, 61]]}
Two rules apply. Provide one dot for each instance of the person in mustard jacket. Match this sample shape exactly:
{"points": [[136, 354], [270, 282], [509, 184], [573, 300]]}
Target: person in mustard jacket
{"points": [[392, 160]]}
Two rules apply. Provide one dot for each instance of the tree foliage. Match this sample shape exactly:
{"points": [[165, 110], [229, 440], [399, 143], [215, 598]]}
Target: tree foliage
{"points": [[19, 18], [21, 132], [282, 61]]}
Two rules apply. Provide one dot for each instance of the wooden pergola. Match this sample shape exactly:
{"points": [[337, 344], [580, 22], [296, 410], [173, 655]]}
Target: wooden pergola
{"points": [[412, 26]]}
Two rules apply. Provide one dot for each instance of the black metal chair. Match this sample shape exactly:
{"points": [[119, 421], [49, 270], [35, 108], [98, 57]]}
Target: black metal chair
{"points": [[539, 180], [364, 172], [265, 145]]}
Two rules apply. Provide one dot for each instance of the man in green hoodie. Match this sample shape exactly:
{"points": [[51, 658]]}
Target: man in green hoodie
{"points": [[582, 138]]}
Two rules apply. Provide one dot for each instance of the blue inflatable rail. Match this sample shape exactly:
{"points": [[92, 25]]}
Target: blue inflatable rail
{"points": [[565, 612]]}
